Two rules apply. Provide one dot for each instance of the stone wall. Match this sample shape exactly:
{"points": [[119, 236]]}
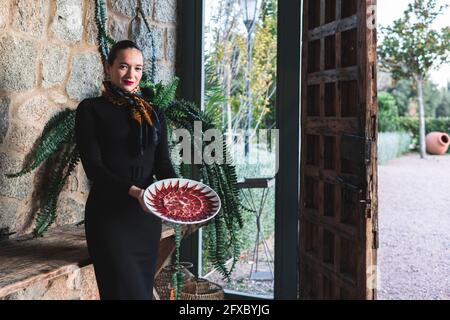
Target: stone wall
{"points": [[80, 284], [49, 62]]}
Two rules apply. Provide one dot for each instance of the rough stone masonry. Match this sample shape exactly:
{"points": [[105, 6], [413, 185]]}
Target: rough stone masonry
{"points": [[49, 62]]}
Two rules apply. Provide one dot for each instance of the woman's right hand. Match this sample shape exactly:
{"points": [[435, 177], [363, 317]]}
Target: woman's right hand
{"points": [[138, 193], [142, 203]]}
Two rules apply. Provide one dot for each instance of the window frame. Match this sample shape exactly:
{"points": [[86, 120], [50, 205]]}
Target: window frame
{"points": [[190, 68]]}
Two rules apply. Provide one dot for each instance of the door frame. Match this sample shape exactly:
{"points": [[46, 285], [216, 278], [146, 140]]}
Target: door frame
{"points": [[287, 183], [190, 68]]}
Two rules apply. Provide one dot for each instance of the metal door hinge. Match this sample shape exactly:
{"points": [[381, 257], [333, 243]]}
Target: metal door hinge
{"points": [[356, 148], [374, 126], [367, 204], [375, 240]]}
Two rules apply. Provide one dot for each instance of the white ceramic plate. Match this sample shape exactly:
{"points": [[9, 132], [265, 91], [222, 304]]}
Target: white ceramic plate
{"points": [[182, 201]]}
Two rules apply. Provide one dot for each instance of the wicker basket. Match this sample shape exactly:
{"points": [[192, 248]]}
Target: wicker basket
{"points": [[202, 289], [164, 279]]}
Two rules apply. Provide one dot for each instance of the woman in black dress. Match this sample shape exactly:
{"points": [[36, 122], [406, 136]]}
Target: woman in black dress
{"points": [[122, 141]]}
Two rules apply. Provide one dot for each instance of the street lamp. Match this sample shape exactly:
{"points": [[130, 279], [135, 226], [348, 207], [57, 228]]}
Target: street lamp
{"points": [[249, 9]]}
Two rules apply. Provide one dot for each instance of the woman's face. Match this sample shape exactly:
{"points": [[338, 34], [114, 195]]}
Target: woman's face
{"points": [[126, 70]]}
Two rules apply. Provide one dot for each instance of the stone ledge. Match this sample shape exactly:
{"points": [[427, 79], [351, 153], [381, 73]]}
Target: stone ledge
{"points": [[26, 261]]}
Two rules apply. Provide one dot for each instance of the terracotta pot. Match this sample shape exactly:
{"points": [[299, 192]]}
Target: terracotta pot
{"points": [[437, 143]]}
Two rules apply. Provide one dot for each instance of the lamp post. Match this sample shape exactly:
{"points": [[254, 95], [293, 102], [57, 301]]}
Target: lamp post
{"points": [[249, 9]]}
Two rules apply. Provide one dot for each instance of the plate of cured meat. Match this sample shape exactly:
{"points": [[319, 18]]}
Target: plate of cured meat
{"points": [[182, 201]]}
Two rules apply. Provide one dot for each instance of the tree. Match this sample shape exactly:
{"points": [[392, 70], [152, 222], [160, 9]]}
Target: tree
{"points": [[443, 109], [263, 73], [411, 48], [387, 112], [224, 58], [227, 65], [404, 91], [432, 97]]}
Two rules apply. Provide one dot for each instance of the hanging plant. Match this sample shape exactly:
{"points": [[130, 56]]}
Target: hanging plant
{"points": [[57, 143]]}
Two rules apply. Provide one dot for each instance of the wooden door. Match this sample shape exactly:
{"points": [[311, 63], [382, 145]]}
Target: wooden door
{"points": [[338, 210]]}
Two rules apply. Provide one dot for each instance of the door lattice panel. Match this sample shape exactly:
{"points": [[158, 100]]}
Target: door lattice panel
{"points": [[338, 171]]}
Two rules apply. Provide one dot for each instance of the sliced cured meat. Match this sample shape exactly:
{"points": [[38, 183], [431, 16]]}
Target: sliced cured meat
{"points": [[182, 201]]}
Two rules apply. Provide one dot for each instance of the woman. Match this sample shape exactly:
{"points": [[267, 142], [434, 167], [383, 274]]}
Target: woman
{"points": [[122, 141]]}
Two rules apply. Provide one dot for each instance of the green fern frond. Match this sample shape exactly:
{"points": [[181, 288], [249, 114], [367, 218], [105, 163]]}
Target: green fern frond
{"points": [[110, 41], [219, 253], [230, 180], [225, 236], [246, 209], [56, 120], [165, 94], [102, 37], [57, 131], [67, 163], [213, 114]]}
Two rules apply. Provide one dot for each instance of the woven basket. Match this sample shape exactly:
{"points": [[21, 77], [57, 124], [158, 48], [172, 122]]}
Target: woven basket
{"points": [[163, 281], [202, 289]]}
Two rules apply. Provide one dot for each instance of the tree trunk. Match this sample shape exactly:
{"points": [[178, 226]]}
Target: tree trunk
{"points": [[419, 83]]}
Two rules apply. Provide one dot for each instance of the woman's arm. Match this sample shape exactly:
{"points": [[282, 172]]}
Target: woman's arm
{"points": [[88, 146], [163, 165]]}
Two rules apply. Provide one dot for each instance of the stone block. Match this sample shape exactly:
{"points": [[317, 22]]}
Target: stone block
{"points": [[164, 73], [15, 74], [19, 187], [91, 27], [54, 65], [171, 45], [37, 110], [8, 212], [140, 35], [128, 7], [4, 117], [21, 138], [165, 11], [118, 30], [70, 211], [30, 16], [4, 14], [68, 21], [89, 289], [86, 76]]}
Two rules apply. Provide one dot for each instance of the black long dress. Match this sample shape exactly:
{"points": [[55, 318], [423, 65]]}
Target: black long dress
{"points": [[123, 239]]}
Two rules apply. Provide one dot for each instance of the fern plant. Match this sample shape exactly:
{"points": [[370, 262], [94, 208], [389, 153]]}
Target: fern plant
{"points": [[57, 143]]}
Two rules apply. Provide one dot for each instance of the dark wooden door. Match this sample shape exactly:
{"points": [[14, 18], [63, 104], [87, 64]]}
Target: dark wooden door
{"points": [[338, 210]]}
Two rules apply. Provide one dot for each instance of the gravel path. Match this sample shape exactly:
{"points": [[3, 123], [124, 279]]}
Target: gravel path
{"points": [[414, 226]]}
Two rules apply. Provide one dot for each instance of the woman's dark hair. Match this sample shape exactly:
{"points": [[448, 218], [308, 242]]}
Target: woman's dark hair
{"points": [[121, 45]]}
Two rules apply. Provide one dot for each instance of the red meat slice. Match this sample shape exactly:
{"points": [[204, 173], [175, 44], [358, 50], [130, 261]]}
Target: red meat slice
{"points": [[183, 203]]}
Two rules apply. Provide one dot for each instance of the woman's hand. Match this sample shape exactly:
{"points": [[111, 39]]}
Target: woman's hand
{"points": [[142, 203], [138, 193]]}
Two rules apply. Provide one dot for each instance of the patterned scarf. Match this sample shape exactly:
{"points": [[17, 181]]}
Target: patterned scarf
{"points": [[141, 112], [140, 109]]}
